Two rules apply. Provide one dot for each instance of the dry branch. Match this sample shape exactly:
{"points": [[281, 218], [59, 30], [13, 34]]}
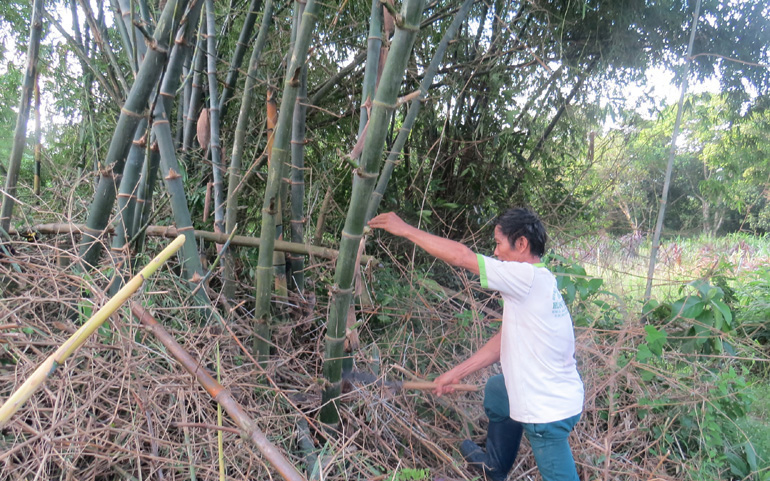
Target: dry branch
{"points": [[172, 232], [221, 395]]}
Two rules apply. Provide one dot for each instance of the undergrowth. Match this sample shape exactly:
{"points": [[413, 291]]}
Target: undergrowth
{"points": [[674, 387]]}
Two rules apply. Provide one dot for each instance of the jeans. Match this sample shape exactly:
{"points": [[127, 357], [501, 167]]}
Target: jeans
{"points": [[549, 441]]}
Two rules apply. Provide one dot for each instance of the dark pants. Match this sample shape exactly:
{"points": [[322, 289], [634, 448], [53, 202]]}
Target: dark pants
{"points": [[549, 441]]}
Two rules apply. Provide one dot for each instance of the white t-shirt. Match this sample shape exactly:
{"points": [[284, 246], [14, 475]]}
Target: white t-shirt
{"points": [[538, 343]]}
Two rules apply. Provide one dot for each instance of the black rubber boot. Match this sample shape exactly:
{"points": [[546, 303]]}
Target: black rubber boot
{"points": [[503, 441]]}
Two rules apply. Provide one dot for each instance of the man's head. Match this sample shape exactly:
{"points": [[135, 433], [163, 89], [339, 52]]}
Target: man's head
{"points": [[519, 233]]}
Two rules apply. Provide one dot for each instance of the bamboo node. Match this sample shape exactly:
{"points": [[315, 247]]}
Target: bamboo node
{"points": [[365, 175], [336, 289], [129, 113], [403, 25], [334, 339], [378, 103], [355, 237]]}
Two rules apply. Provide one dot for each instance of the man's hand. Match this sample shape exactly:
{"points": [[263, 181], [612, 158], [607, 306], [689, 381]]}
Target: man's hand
{"points": [[444, 381], [390, 222]]}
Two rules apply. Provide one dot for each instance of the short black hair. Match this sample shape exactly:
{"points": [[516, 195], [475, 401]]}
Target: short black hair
{"points": [[521, 222]]}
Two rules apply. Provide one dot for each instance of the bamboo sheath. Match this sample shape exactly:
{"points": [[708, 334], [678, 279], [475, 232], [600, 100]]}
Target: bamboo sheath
{"points": [[248, 428], [44, 371], [173, 232]]}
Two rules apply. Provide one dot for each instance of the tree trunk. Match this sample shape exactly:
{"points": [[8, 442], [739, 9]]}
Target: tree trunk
{"points": [[671, 155]]}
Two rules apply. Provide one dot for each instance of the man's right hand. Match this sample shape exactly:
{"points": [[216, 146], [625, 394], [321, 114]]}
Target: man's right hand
{"points": [[443, 383], [390, 222]]}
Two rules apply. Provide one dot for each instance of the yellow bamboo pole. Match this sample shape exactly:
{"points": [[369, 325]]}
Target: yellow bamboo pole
{"points": [[18, 398]]}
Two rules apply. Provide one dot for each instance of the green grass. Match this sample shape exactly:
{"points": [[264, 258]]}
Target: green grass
{"points": [[756, 426]]}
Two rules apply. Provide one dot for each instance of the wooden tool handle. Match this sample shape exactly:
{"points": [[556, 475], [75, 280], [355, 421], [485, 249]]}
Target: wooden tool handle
{"points": [[428, 385]]}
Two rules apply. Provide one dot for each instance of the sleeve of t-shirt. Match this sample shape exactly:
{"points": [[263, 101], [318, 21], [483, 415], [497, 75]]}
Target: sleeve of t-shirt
{"points": [[511, 278]]}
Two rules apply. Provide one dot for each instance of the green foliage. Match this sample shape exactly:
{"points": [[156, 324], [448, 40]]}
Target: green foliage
{"points": [[754, 303], [583, 293], [411, 474], [716, 184]]}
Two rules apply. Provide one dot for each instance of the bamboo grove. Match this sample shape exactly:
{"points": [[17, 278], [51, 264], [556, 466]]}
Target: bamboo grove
{"points": [[359, 104]]}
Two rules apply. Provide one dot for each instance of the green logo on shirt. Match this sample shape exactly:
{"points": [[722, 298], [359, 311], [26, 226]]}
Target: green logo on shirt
{"points": [[559, 307]]}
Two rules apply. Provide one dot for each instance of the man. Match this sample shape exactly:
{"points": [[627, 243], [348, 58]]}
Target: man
{"points": [[540, 392]]}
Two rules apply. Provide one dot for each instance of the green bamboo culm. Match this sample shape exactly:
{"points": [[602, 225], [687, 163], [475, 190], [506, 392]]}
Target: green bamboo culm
{"points": [[407, 26], [279, 258], [124, 218], [214, 143], [196, 93], [280, 154], [130, 116], [297, 262], [129, 184], [239, 142], [38, 137], [25, 103], [140, 170], [414, 109], [238, 54], [371, 70], [169, 165], [180, 55], [373, 47]]}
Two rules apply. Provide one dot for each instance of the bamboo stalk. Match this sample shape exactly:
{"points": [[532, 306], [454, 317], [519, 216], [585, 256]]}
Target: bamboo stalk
{"points": [[20, 133], [196, 93], [114, 71], [122, 31], [214, 146], [272, 199], [429, 385], [374, 44], [160, 133], [297, 183], [322, 213], [279, 258], [363, 183], [218, 238], [38, 134], [671, 155], [248, 428], [130, 115], [44, 371], [147, 182], [414, 109], [124, 223], [238, 54], [239, 142]]}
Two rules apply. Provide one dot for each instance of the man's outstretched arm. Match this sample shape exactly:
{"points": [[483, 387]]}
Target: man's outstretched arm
{"points": [[447, 250]]}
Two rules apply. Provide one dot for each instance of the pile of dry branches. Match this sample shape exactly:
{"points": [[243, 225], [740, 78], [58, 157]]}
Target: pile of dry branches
{"points": [[122, 408]]}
